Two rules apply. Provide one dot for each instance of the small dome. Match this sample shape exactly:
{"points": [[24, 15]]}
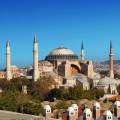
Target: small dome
{"points": [[61, 51], [47, 107], [75, 106], [87, 110], [96, 104], [117, 103], [107, 113], [70, 109]]}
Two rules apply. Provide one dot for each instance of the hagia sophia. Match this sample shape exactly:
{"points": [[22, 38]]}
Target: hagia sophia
{"points": [[65, 67]]}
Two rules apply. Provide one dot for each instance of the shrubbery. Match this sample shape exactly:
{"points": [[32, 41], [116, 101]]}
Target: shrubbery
{"points": [[75, 93], [13, 99]]}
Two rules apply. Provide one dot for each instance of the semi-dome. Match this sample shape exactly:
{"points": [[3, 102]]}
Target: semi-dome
{"points": [[61, 53]]}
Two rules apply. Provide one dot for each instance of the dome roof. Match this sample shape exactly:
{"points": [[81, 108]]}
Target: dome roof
{"points": [[74, 106], [107, 81], [61, 51], [117, 103], [87, 110], [70, 109], [107, 113], [96, 104], [47, 107]]}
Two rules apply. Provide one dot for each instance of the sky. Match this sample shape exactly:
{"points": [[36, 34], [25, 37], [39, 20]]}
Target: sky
{"points": [[56, 23]]}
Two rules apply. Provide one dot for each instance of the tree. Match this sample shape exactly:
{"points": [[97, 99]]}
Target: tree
{"points": [[99, 93], [8, 101], [75, 93], [5, 84], [31, 107], [17, 83], [41, 87], [58, 93], [61, 105]]}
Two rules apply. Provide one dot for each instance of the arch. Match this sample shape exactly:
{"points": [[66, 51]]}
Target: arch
{"points": [[75, 69]]}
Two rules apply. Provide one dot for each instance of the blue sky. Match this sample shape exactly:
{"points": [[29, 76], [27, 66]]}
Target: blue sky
{"points": [[57, 22]]}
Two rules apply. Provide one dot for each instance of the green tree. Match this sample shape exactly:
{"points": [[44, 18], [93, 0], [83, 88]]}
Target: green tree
{"points": [[58, 93], [61, 105], [8, 101], [41, 87]]}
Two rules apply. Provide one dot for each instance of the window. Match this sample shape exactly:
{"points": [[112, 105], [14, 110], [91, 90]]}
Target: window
{"points": [[48, 110], [76, 109], [88, 115], [71, 113], [109, 117], [97, 107]]}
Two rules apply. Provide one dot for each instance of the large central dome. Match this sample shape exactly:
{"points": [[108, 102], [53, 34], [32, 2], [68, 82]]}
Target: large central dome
{"points": [[61, 53]]}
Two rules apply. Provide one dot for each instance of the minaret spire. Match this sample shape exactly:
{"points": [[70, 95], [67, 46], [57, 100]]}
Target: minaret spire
{"points": [[82, 52], [35, 59], [8, 64], [111, 71], [35, 38]]}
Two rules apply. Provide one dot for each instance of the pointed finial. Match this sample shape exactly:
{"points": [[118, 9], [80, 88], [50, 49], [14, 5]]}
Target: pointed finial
{"points": [[82, 46], [35, 38], [110, 44], [8, 43]]}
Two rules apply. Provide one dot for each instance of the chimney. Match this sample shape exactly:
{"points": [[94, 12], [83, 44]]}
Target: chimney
{"points": [[71, 113], [87, 114], [47, 112], [96, 110], [117, 109], [75, 107], [107, 115]]}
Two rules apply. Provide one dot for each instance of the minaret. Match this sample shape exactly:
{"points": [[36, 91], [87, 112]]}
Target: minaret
{"points": [[82, 52], [8, 65], [35, 60], [111, 62]]}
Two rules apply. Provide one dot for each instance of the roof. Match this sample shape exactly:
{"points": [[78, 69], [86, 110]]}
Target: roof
{"points": [[97, 104], [96, 76], [107, 113], [44, 62], [47, 107], [81, 78], [61, 51], [115, 98], [70, 109], [113, 118], [107, 81], [87, 110], [117, 103], [75, 106]]}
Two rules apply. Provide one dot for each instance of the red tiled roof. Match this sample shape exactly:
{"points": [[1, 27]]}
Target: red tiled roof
{"points": [[115, 98]]}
